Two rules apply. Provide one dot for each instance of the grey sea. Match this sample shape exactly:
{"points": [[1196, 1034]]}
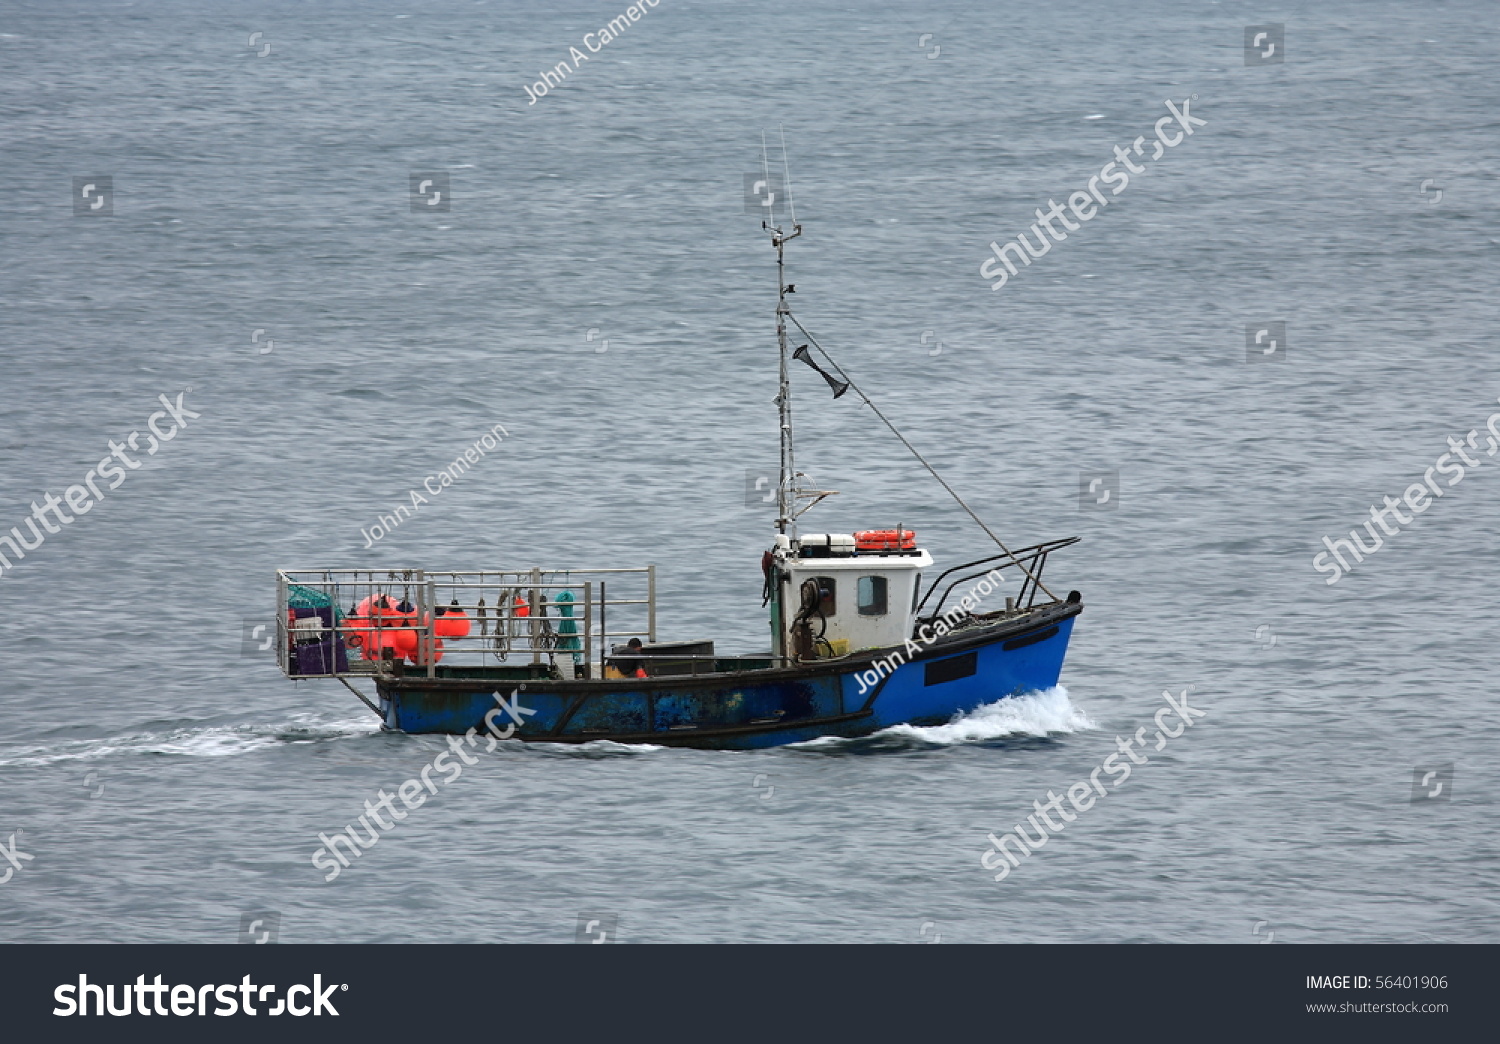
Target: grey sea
{"points": [[345, 240]]}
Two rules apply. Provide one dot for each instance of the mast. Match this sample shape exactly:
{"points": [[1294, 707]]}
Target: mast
{"points": [[786, 494], [786, 497]]}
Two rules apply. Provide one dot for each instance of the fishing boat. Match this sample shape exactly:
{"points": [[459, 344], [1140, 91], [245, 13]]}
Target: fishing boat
{"points": [[858, 642]]}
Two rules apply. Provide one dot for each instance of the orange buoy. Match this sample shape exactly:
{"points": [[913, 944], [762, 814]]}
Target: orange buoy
{"points": [[451, 623], [381, 605], [404, 642], [375, 642], [416, 656]]}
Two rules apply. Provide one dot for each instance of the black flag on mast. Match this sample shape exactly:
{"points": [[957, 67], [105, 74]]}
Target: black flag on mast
{"points": [[839, 387]]}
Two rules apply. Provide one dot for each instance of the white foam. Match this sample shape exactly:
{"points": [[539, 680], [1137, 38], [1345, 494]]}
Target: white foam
{"points": [[1046, 713], [599, 746], [213, 741], [1040, 714]]}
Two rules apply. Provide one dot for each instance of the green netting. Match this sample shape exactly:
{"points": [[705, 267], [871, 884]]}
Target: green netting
{"points": [[303, 597], [568, 629]]}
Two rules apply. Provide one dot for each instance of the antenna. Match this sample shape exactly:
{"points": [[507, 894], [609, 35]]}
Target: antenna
{"points": [[786, 172], [765, 172]]}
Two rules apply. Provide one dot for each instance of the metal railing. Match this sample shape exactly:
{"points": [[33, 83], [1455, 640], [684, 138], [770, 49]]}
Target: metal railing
{"points": [[1034, 560], [358, 622]]}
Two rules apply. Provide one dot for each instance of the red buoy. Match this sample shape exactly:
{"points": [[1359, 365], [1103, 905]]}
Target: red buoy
{"points": [[451, 623], [404, 642], [416, 656], [379, 605], [375, 642]]}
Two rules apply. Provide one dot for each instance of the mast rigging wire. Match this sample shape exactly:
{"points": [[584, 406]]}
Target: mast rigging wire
{"points": [[895, 431]]}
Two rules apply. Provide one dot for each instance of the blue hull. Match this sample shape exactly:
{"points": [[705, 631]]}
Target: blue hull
{"points": [[753, 709]]}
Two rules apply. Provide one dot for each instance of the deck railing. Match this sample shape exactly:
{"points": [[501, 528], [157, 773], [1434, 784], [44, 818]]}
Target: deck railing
{"points": [[561, 621], [1033, 559]]}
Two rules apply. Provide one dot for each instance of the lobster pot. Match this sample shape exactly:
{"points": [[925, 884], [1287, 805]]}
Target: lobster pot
{"points": [[314, 645]]}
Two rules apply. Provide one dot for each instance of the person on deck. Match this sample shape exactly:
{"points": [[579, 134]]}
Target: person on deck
{"points": [[631, 668]]}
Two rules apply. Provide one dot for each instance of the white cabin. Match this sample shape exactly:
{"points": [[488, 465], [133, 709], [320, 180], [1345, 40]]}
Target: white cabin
{"points": [[866, 585]]}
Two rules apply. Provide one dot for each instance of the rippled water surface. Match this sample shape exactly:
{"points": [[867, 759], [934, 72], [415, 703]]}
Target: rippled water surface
{"points": [[262, 251]]}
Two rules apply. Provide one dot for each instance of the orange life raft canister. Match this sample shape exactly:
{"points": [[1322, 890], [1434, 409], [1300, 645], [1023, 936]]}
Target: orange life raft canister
{"points": [[885, 540]]}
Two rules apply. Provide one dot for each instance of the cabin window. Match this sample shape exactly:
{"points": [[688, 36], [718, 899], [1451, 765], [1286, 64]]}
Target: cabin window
{"points": [[872, 596], [828, 602], [916, 592]]}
